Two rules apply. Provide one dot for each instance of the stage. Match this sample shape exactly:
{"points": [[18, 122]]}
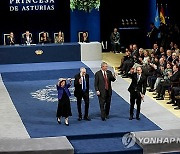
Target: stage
{"points": [[29, 101], [40, 53]]}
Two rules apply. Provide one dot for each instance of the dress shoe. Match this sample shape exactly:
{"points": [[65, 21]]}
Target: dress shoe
{"points": [[151, 90], [107, 117], [124, 76], [137, 118], [175, 104], [87, 119], [59, 120], [103, 119], [66, 122], [170, 102], [177, 108], [130, 118], [80, 118], [156, 97], [160, 98]]}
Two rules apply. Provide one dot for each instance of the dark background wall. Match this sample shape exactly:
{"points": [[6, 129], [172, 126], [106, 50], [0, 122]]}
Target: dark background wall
{"points": [[35, 21]]}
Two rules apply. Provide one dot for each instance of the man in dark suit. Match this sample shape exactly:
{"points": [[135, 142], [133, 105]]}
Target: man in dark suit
{"points": [[81, 85], [27, 38], [103, 79], [137, 90]]}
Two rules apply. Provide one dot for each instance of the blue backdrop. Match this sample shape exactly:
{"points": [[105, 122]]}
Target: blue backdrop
{"points": [[85, 21]]}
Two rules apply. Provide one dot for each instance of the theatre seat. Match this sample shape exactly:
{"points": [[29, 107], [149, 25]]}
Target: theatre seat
{"points": [[80, 34], [5, 38], [56, 34], [23, 35], [41, 33]]}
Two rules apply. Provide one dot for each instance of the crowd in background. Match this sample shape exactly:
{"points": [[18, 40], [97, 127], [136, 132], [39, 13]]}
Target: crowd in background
{"points": [[160, 63]]}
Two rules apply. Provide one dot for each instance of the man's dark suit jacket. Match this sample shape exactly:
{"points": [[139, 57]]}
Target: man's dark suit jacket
{"points": [[139, 86], [175, 77], [8, 41], [78, 87], [99, 83], [24, 40]]}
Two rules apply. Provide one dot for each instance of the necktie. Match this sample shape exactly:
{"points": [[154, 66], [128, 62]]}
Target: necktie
{"points": [[106, 81], [84, 84]]}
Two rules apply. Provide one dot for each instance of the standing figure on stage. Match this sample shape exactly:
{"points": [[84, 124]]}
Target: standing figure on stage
{"points": [[115, 40], [103, 79], [27, 38], [137, 90], [64, 106], [10, 39], [81, 85]]}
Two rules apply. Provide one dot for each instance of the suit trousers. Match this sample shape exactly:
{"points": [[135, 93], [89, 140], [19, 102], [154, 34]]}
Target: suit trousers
{"points": [[104, 103], [85, 97], [135, 97]]}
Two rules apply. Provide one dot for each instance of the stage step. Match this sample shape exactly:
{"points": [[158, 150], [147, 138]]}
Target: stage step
{"points": [[49, 145], [159, 141], [102, 143]]}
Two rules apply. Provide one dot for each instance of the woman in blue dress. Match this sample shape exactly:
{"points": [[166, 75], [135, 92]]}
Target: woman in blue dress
{"points": [[64, 106]]}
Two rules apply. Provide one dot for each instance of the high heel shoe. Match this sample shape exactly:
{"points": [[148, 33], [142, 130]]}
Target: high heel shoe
{"points": [[59, 120], [66, 122]]}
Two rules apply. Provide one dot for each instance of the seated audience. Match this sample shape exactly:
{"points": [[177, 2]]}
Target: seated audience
{"points": [[173, 77]]}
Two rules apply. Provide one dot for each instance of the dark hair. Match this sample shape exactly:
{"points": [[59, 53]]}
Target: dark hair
{"points": [[59, 83]]}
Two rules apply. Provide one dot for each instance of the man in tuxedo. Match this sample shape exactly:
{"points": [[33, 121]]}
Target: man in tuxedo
{"points": [[103, 79], [27, 38], [81, 85], [137, 90]]}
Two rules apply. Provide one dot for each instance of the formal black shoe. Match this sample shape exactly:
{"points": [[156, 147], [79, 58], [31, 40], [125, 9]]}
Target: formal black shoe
{"points": [[107, 117], [80, 118], [58, 120], [160, 98], [124, 76], [177, 108], [130, 118], [151, 90], [175, 104], [170, 102], [137, 118], [103, 119], [87, 119], [156, 97]]}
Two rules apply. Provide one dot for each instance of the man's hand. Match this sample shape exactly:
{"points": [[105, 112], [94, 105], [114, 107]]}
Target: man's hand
{"points": [[98, 93], [142, 97], [80, 81]]}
